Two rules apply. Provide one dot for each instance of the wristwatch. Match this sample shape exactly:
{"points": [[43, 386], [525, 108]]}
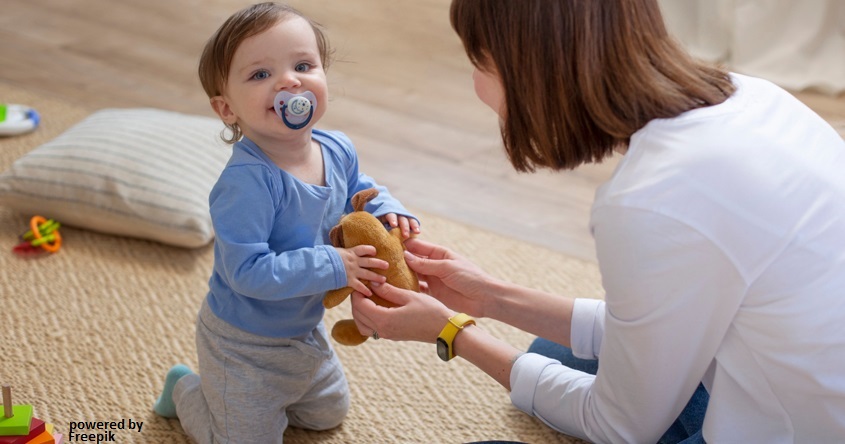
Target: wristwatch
{"points": [[445, 349]]}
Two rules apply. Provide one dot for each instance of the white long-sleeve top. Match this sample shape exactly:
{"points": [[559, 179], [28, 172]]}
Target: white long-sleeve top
{"points": [[721, 243]]}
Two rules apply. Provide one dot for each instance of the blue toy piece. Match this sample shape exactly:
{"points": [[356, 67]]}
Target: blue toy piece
{"points": [[17, 119]]}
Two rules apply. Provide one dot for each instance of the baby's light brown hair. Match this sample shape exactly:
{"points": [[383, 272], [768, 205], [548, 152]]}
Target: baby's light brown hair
{"points": [[216, 59]]}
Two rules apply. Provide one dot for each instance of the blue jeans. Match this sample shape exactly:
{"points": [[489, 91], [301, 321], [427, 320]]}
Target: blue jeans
{"points": [[686, 429]]}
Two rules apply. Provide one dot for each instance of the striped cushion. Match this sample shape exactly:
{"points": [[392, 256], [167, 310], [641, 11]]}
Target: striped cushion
{"points": [[143, 173]]}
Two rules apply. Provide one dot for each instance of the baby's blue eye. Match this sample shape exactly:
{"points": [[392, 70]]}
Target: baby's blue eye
{"points": [[302, 67], [261, 75]]}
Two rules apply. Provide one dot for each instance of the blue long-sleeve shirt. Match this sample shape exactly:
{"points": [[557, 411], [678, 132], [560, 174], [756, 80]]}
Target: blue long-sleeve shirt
{"points": [[273, 260]]}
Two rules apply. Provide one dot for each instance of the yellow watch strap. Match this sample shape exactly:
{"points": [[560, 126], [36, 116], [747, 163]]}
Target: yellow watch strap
{"points": [[455, 324]]}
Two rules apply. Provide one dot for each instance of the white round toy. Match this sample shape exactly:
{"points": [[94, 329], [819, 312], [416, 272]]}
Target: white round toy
{"points": [[17, 119]]}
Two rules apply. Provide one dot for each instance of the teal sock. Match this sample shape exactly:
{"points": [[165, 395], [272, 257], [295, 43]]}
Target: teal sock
{"points": [[165, 406]]}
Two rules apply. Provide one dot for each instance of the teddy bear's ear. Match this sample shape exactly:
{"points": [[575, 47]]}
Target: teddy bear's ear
{"points": [[336, 236], [360, 199]]}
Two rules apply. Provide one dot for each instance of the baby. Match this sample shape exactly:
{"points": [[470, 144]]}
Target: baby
{"points": [[263, 351]]}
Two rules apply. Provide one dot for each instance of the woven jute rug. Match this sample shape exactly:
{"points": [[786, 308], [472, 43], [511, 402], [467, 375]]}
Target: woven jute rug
{"points": [[88, 333]]}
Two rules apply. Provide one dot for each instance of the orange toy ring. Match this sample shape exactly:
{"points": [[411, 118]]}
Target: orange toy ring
{"points": [[50, 247]]}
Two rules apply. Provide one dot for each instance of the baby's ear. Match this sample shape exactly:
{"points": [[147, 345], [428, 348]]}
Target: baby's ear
{"points": [[336, 236], [223, 110]]}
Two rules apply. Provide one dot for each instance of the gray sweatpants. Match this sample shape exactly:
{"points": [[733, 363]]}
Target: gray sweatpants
{"points": [[252, 387]]}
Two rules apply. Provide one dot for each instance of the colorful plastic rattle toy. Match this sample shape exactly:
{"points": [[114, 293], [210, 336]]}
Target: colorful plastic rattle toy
{"points": [[43, 235]]}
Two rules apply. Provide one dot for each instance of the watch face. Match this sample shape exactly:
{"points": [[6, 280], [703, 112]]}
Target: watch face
{"points": [[443, 349]]}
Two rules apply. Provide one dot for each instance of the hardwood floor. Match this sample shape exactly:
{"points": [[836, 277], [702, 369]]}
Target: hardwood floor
{"points": [[400, 87]]}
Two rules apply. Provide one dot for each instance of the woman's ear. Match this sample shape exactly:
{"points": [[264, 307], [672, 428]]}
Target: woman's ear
{"points": [[223, 110]]}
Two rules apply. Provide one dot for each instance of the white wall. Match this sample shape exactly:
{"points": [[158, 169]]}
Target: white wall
{"points": [[797, 44]]}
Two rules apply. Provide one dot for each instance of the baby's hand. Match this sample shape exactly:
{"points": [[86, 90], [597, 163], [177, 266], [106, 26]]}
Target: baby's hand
{"points": [[358, 263], [408, 225]]}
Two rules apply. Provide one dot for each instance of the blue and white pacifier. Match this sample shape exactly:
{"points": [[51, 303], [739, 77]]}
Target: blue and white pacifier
{"points": [[295, 110]]}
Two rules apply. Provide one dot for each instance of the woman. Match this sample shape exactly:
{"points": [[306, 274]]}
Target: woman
{"points": [[719, 237]]}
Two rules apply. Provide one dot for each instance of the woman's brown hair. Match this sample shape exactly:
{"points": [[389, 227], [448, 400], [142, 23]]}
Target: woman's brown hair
{"points": [[581, 76], [217, 55]]}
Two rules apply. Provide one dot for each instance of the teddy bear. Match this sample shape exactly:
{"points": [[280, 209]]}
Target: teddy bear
{"points": [[362, 228]]}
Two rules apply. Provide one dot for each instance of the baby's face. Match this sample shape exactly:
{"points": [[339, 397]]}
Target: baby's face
{"points": [[283, 58]]}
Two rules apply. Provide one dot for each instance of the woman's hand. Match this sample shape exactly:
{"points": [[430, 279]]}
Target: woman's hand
{"points": [[417, 317], [449, 277]]}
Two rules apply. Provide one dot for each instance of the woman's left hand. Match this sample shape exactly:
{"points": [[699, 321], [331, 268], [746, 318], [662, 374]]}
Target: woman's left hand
{"points": [[417, 316]]}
